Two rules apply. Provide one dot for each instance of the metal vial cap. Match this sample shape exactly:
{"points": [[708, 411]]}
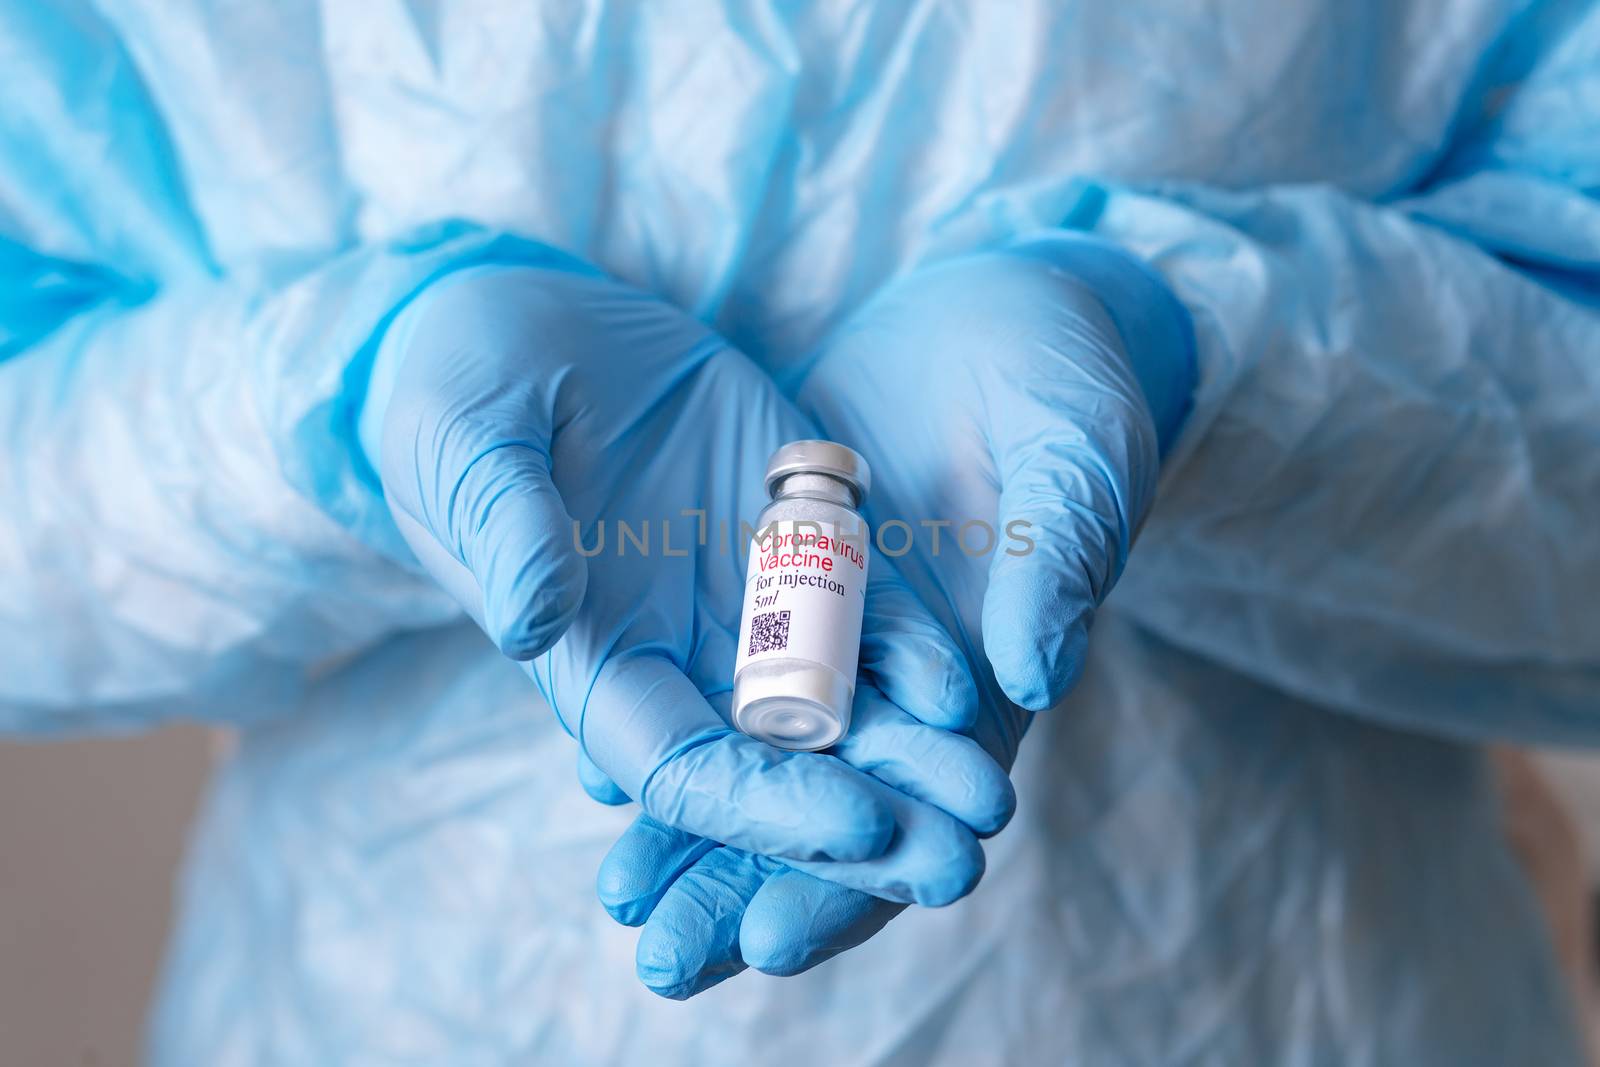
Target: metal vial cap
{"points": [[820, 457]]}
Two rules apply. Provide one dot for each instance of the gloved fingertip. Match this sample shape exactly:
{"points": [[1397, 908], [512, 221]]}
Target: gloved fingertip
{"points": [[1038, 663], [955, 703], [927, 678], [1023, 686], [795, 806], [960, 875], [796, 922], [867, 840], [1003, 805], [625, 912], [660, 969], [620, 893], [935, 860], [661, 966], [986, 801], [948, 770], [598, 784], [529, 626], [607, 793], [964, 702], [766, 949], [642, 866], [861, 826]]}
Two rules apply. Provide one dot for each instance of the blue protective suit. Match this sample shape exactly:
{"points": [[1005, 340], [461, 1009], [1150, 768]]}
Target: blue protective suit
{"points": [[1383, 220]]}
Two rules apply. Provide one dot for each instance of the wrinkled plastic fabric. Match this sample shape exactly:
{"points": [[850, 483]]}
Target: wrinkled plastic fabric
{"points": [[1381, 217], [1201, 870]]}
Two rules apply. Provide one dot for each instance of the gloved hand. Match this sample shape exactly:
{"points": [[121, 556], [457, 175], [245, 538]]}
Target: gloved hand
{"points": [[504, 404], [1029, 393]]}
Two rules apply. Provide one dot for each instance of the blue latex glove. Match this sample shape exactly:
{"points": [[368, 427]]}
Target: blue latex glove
{"points": [[504, 404], [1033, 389]]}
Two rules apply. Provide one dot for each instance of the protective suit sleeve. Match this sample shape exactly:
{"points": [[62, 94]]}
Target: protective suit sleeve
{"points": [[190, 528], [1388, 494]]}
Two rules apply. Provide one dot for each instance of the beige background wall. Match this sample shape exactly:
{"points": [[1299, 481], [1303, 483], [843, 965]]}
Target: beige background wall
{"points": [[91, 833]]}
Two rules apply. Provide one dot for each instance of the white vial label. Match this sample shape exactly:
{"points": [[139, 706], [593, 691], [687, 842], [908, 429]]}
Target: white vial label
{"points": [[804, 593]]}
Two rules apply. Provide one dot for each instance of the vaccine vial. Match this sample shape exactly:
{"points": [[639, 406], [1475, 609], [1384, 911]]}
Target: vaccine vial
{"points": [[804, 595]]}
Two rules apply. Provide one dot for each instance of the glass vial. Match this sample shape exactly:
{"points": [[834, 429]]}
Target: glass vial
{"points": [[804, 595]]}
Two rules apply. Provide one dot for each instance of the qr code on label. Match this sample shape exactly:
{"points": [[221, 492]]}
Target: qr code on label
{"points": [[769, 632]]}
